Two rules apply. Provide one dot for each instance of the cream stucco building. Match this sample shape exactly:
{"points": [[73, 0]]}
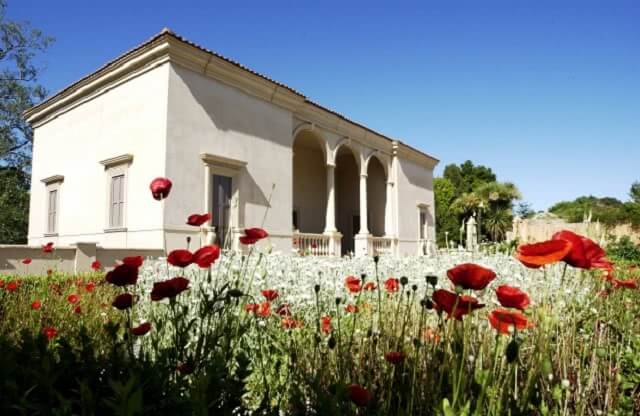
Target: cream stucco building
{"points": [[235, 143]]}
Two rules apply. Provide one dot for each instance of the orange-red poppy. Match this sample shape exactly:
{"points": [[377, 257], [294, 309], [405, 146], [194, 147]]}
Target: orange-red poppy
{"points": [[503, 320], [540, 254]]}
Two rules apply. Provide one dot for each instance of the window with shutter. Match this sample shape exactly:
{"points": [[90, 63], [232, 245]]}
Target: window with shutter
{"points": [[116, 205]]}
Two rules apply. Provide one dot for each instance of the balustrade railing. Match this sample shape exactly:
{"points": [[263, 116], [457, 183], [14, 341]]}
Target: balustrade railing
{"points": [[312, 244]]}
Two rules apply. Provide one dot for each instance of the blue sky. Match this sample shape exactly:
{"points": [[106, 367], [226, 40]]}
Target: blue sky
{"points": [[547, 93]]}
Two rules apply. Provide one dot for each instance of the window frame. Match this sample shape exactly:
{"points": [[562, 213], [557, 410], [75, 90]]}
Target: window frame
{"points": [[52, 184], [115, 167]]}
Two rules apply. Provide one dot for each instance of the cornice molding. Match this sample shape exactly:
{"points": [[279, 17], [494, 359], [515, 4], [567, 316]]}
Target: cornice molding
{"points": [[221, 161], [168, 47], [117, 160], [52, 179]]}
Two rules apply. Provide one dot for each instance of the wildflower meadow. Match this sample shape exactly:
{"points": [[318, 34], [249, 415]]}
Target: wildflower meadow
{"points": [[549, 328]]}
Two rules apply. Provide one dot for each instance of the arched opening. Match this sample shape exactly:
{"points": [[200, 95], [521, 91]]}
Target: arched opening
{"points": [[347, 188], [309, 183], [376, 197]]}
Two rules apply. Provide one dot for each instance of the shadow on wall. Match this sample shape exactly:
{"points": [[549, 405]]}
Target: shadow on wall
{"points": [[229, 110]]}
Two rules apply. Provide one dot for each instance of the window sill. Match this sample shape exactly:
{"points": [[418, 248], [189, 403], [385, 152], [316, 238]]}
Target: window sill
{"points": [[50, 234], [116, 230]]}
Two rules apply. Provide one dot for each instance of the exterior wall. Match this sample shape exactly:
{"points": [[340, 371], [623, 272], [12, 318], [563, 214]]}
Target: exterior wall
{"points": [[207, 116], [66, 259], [127, 119], [413, 186], [310, 189], [534, 230]]}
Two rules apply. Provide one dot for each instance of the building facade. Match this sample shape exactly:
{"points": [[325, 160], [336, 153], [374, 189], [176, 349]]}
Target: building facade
{"points": [[249, 150]]}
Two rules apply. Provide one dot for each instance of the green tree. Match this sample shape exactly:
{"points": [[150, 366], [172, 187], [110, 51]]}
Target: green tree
{"points": [[14, 205], [634, 192], [524, 210], [446, 220], [19, 90], [467, 176]]}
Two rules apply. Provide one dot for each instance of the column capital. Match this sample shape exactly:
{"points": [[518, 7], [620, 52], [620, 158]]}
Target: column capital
{"points": [[363, 175], [331, 164]]}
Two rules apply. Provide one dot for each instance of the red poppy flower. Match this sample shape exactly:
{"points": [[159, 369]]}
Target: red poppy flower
{"points": [[353, 284], [369, 286], [47, 248], [49, 332], [540, 254], [264, 310], [359, 395], [123, 301], [351, 308], [270, 294], [205, 256], [446, 301], [392, 285], [290, 323], [325, 324], [629, 283], [503, 320], [122, 275], [584, 254], [77, 309], [247, 241], [89, 287], [169, 288], [73, 298], [96, 265], [141, 329], [36, 304], [11, 287], [284, 310], [257, 233], [180, 258], [27, 261], [135, 261], [160, 188], [252, 307], [198, 219], [394, 357], [1, 283], [471, 276], [512, 297]]}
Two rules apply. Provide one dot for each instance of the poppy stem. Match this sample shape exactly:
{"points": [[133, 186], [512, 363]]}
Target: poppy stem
{"points": [[564, 271]]}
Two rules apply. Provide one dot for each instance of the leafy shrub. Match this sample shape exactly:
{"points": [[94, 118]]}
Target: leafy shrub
{"points": [[624, 249]]}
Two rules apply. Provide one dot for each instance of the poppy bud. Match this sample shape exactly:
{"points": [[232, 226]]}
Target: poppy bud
{"points": [[316, 288], [369, 333], [188, 239], [414, 287], [331, 343], [338, 300], [376, 259], [235, 293], [416, 342], [404, 280], [512, 351], [432, 280], [363, 276]]}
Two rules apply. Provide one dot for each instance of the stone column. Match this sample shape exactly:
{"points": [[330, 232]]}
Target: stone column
{"points": [[364, 227], [388, 211], [362, 238], [330, 222]]}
